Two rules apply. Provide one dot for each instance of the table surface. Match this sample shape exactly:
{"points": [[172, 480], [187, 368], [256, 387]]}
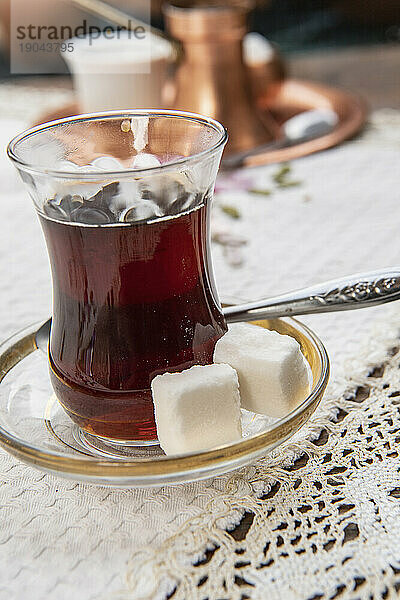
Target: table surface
{"points": [[319, 518], [371, 71]]}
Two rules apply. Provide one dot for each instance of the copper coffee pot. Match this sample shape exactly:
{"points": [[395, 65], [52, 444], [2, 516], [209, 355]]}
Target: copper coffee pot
{"points": [[211, 78]]}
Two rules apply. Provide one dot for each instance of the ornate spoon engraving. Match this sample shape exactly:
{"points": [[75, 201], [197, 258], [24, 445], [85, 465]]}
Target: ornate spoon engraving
{"points": [[355, 291], [360, 291]]}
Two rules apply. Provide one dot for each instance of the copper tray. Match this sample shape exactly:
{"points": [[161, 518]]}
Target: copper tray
{"points": [[294, 96]]}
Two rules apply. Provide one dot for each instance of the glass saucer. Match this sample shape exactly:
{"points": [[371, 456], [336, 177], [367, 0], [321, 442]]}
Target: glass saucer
{"points": [[35, 429]]}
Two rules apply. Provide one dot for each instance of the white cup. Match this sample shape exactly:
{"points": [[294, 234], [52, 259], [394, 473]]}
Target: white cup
{"points": [[119, 73]]}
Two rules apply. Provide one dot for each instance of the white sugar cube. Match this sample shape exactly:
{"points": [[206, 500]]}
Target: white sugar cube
{"points": [[273, 373], [197, 409]]}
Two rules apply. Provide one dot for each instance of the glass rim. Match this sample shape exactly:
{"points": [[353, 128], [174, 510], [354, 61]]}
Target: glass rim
{"points": [[110, 115]]}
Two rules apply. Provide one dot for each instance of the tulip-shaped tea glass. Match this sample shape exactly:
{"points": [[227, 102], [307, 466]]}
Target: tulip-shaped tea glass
{"points": [[123, 200]]}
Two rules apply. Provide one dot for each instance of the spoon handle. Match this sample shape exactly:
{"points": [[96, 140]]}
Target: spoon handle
{"points": [[237, 160], [355, 291]]}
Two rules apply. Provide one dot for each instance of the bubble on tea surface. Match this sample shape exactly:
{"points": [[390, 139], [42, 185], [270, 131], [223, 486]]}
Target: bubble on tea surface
{"points": [[70, 186], [74, 187], [90, 216], [179, 195], [143, 211], [102, 199], [126, 196], [53, 210], [184, 200], [69, 203], [173, 193]]}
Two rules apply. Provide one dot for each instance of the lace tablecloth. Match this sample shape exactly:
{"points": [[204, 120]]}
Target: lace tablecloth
{"points": [[317, 519]]}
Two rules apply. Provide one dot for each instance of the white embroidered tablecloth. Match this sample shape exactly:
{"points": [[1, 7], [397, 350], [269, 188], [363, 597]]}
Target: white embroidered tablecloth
{"points": [[320, 517]]}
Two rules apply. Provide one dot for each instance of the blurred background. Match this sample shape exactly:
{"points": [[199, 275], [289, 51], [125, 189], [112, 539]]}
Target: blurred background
{"points": [[349, 43]]}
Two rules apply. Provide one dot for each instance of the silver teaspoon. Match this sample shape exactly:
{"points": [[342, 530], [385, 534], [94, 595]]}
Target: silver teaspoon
{"points": [[348, 293], [305, 126]]}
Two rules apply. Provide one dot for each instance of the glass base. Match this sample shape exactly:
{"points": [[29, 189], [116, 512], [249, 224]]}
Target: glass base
{"points": [[117, 449]]}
